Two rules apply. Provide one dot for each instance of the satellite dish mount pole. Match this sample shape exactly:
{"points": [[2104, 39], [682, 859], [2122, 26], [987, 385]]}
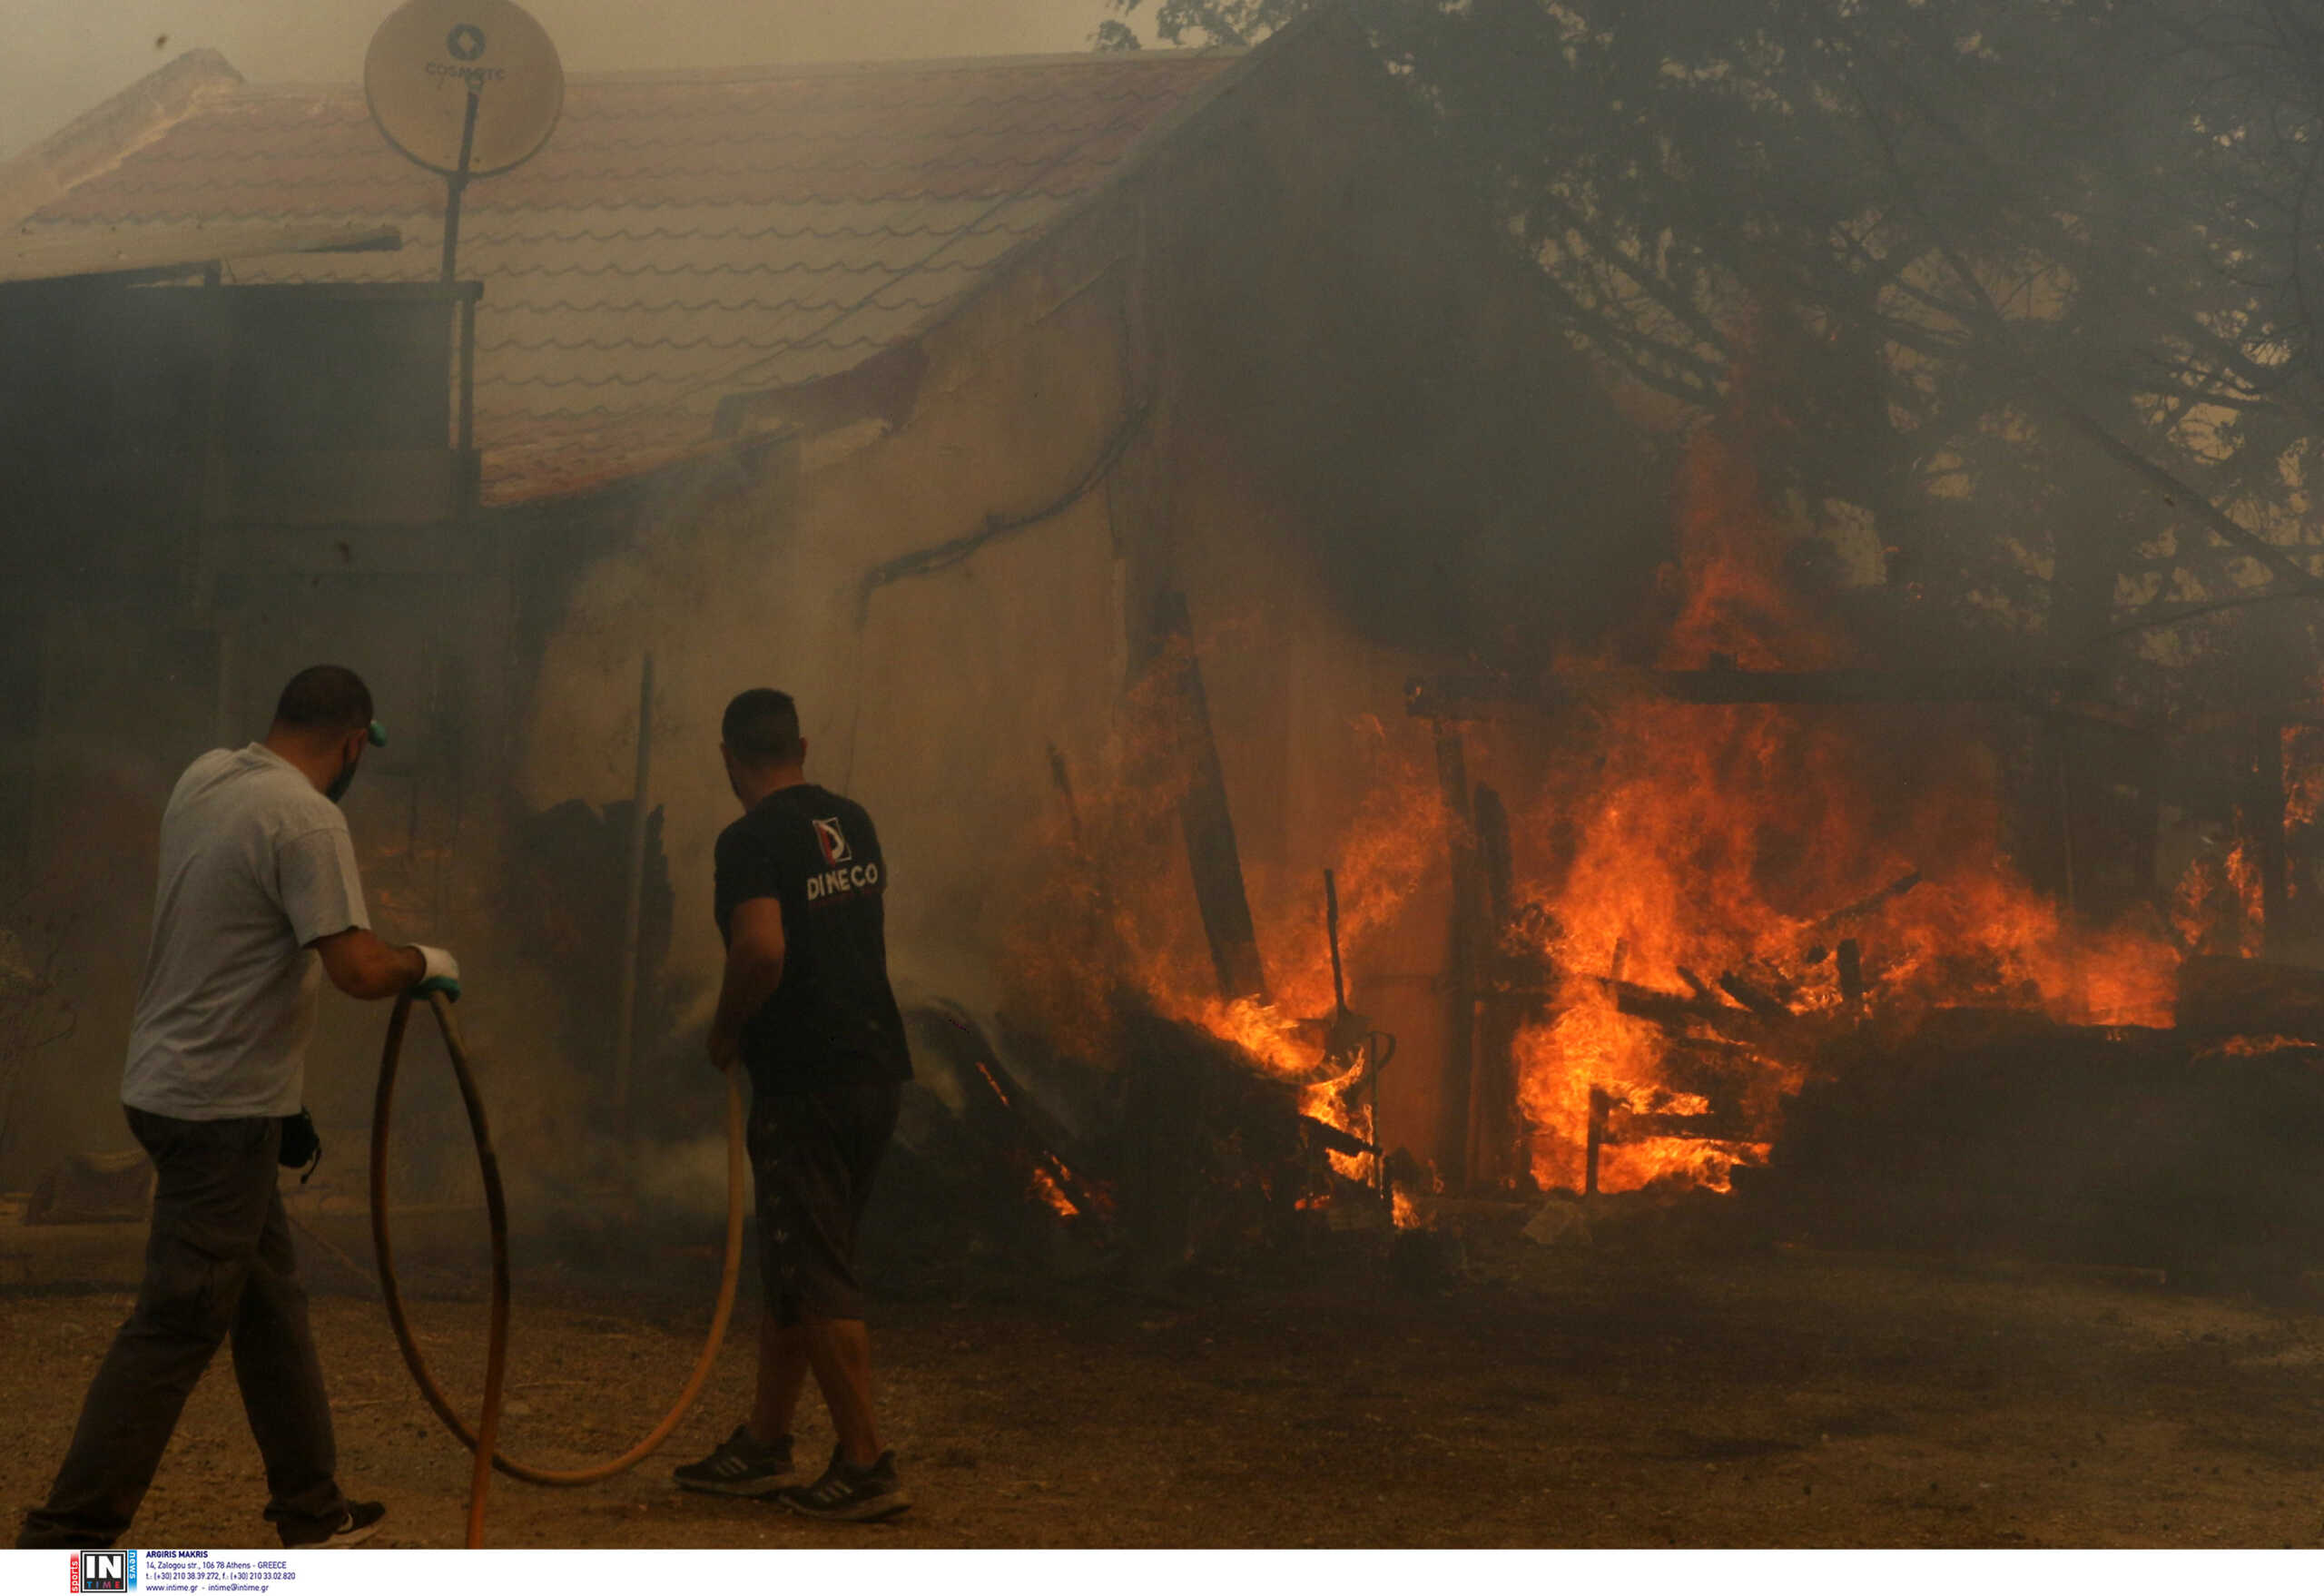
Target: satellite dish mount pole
{"points": [[456, 184]]}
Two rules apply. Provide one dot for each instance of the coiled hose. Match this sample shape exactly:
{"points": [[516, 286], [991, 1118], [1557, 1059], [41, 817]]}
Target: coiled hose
{"points": [[481, 1440]]}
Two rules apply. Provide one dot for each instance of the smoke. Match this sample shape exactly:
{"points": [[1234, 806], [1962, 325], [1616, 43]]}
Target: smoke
{"points": [[685, 1179], [64, 56]]}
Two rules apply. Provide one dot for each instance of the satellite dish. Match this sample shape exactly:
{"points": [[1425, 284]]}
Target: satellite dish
{"points": [[432, 60]]}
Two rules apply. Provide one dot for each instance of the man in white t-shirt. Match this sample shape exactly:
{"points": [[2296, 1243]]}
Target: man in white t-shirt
{"points": [[259, 899]]}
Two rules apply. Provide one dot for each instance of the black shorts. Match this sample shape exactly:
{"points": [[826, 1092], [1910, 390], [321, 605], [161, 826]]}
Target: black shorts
{"points": [[812, 1156]]}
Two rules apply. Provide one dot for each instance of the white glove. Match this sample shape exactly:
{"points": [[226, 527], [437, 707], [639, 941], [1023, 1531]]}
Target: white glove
{"points": [[442, 973]]}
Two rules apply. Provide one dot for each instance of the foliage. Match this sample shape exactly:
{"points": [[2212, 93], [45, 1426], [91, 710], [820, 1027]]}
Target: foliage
{"points": [[2028, 284]]}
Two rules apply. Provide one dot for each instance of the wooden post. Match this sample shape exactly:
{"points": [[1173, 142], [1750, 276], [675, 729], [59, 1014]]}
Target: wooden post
{"points": [[632, 909], [1594, 1139], [1459, 963], [1493, 1119], [2266, 822], [1851, 964], [1204, 815]]}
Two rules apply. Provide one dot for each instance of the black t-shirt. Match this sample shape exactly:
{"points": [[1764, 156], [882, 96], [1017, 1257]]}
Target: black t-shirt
{"points": [[833, 1021]]}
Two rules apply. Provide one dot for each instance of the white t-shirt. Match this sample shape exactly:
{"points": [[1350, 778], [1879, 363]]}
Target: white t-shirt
{"points": [[255, 865]]}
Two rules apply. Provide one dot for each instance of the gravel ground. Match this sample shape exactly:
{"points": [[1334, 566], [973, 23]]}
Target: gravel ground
{"points": [[1602, 1397]]}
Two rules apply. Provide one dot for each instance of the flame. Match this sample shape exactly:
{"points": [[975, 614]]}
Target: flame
{"points": [[1330, 1101], [2243, 880], [1733, 859], [1113, 919], [1712, 846], [2248, 1046], [2220, 906], [1045, 1188], [2303, 757]]}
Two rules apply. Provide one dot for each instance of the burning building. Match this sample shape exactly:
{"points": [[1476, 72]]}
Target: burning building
{"points": [[1163, 484]]}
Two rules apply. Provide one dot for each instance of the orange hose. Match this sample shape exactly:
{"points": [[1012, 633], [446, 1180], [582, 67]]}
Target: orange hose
{"points": [[480, 1440]]}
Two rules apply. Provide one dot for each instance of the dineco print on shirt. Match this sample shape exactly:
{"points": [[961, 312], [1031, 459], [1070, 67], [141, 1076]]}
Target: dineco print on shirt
{"points": [[255, 865], [834, 1021]]}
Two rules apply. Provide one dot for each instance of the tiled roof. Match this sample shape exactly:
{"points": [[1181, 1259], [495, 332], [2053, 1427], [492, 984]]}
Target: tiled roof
{"points": [[682, 236]]}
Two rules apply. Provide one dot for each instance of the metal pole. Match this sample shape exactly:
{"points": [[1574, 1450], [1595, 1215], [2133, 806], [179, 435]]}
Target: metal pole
{"points": [[634, 897], [456, 184]]}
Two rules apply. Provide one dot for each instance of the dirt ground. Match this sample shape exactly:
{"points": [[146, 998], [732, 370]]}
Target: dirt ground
{"points": [[1542, 1398]]}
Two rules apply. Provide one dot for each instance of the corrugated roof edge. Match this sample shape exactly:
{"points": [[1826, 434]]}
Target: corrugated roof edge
{"points": [[149, 254], [774, 72], [101, 138]]}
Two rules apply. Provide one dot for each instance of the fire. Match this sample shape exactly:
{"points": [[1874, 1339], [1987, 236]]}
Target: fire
{"points": [[1699, 890], [1720, 854], [2303, 766], [1114, 922], [2243, 880], [2250, 1047], [1331, 1102], [1045, 1188]]}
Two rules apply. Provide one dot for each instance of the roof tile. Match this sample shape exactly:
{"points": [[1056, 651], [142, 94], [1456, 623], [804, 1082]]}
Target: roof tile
{"points": [[681, 236]]}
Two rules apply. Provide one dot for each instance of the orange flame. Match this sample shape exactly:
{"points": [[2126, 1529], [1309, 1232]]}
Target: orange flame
{"points": [[1046, 1188], [1712, 841]]}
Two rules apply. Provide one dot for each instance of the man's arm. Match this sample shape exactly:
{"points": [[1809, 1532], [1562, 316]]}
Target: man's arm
{"points": [[754, 951], [362, 966]]}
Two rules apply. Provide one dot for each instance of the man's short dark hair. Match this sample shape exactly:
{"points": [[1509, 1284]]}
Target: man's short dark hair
{"points": [[325, 700], [762, 728]]}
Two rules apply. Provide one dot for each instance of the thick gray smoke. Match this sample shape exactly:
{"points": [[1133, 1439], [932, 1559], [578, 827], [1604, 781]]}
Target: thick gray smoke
{"points": [[63, 57]]}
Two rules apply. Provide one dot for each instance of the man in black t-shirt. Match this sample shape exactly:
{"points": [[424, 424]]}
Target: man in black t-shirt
{"points": [[806, 1008]]}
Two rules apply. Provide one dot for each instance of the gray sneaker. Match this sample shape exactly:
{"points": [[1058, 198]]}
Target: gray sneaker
{"points": [[855, 1495], [738, 1467], [358, 1525]]}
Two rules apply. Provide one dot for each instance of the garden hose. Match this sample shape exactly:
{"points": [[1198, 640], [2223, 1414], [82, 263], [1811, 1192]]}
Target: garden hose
{"points": [[481, 1440]]}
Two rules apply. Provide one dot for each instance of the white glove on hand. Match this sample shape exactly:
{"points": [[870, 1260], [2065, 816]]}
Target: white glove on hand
{"points": [[442, 973]]}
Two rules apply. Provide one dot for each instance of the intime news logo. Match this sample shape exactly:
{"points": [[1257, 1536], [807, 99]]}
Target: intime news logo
{"points": [[104, 1571]]}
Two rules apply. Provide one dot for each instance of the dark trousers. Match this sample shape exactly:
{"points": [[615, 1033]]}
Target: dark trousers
{"points": [[813, 1158], [218, 1263]]}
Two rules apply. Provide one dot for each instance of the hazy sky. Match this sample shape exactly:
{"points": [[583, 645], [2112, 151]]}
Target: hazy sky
{"points": [[59, 57]]}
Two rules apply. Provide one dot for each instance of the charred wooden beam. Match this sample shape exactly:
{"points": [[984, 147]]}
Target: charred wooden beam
{"points": [[1477, 695], [1204, 815], [1760, 1002], [1594, 1139], [1460, 964], [1493, 1119], [1851, 965], [2266, 820], [1624, 1128], [1006, 1113], [1864, 906], [1332, 1139]]}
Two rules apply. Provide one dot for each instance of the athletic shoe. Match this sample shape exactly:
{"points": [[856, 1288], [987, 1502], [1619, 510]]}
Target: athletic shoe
{"points": [[856, 1496], [738, 1467], [358, 1525]]}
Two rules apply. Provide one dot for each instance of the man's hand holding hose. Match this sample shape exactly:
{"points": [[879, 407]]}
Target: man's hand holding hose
{"points": [[362, 966], [440, 972]]}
